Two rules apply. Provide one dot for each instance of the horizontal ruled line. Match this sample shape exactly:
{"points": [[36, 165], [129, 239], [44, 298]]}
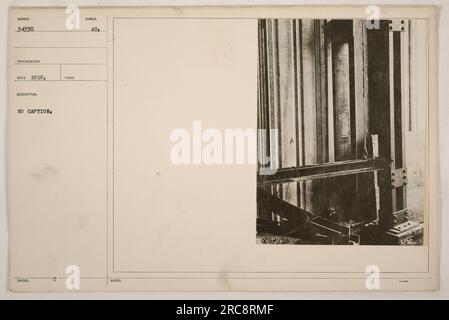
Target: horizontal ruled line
{"points": [[73, 31], [19, 47], [53, 80], [57, 64]]}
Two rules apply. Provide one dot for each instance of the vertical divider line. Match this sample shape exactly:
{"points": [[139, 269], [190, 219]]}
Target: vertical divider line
{"points": [[113, 145], [107, 151], [301, 94], [330, 105], [392, 124]]}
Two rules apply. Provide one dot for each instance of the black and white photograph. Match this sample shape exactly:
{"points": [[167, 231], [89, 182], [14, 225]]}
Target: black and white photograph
{"points": [[342, 109]]}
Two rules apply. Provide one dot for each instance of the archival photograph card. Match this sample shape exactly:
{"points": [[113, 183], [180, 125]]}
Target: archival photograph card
{"points": [[229, 148]]}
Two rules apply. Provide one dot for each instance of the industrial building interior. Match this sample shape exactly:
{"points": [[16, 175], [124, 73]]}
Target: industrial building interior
{"points": [[342, 108]]}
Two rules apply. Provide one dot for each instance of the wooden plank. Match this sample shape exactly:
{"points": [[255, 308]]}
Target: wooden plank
{"points": [[298, 215], [299, 108], [342, 101], [299, 94], [287, 100], [399, 138], [361, 114], [309, 94], [379, 62], [364, 184], [392, 111], [325, 170], [263, 104], [309, 107], [321, 92], [343, 188], [274, 106], [273, 90], [321, 111], [405, 99]]}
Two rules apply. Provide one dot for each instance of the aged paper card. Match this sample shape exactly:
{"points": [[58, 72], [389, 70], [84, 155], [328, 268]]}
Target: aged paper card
{"points": [[223, 148]]}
